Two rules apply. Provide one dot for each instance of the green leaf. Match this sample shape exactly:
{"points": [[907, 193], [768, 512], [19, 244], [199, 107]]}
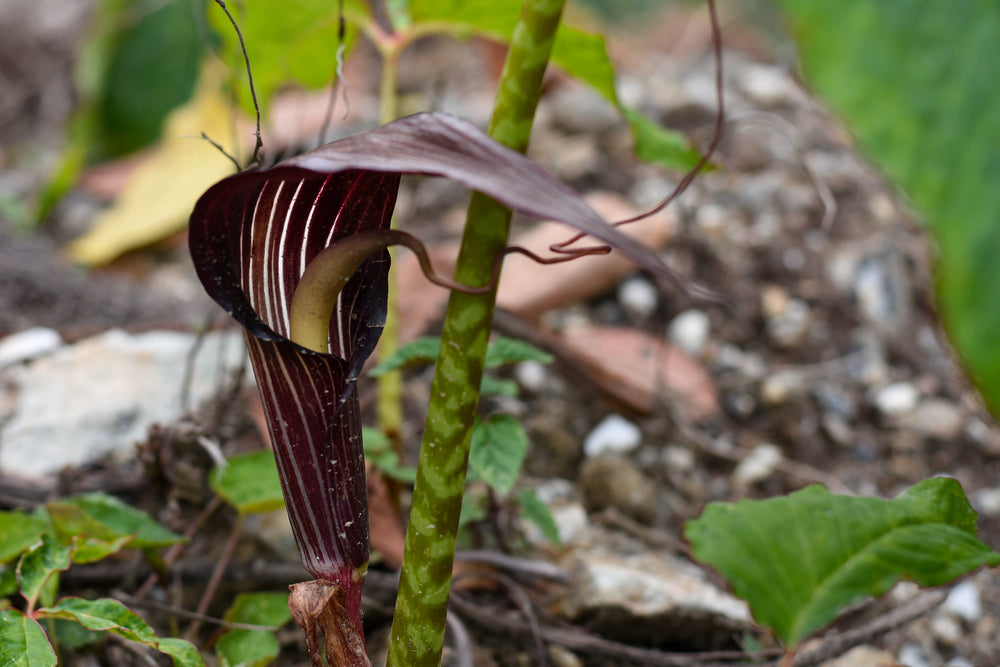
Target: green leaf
{"points": [[799, 560], [581, 54], [253, 648], [420, 352], [88, 549], [499, 445], [8, 580], [103, 517], [291, 41], [502, 351], [250, 483], [379, 452], [23, 642], [18, 531], [40, 565], [926, 112], [538, 513], [106, 615], [492, 386], [158, 53]]}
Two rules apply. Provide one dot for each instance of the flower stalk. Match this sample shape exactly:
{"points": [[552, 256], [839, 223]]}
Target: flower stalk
{"points": [[417, 634]]}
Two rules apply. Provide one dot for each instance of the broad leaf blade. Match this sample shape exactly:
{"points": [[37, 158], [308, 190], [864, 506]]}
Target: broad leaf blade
{"points": [[799, 560], [502, 351], [107, 518], [23, 642], [915, 81], [18, 531], [420, 352], [253, 648], [39, 566], [497, 452], [249, 482]]}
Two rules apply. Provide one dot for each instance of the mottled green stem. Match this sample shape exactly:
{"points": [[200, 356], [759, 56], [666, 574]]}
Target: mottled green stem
{"points": [[417, 633]]}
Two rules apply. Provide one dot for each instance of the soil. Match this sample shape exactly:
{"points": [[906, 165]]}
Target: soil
{"points": [[826, 363]]}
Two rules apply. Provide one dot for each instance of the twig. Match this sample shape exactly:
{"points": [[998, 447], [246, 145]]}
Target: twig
{"points": [[464, 656], [133, 601], [220, 568], [255, 158], [523, 566]]}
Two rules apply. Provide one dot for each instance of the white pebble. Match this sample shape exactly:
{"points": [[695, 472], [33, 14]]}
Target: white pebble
{"points": [[689, 331], [27, 344], [959, 661], [758, 465], [613, 434], [963, 602], [897, 399], [638, 297], [911, 655], [532, 375]]}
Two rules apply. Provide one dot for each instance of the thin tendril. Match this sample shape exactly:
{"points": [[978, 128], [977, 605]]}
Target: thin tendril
{"points": [[222, 150], [338, 76], [706, 156], [255, 159]]}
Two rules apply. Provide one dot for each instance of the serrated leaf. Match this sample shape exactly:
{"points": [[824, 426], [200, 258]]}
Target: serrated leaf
{"points": [[926, 112], [162, 190], [253, 648], [106, 518], [497, 452], [538, 513], [420, 352], [379, 452], [107, 615], [249, 483], [502, 351], [40, 565], [493, 386], [799, 560], [18, 531], [23, 642]]}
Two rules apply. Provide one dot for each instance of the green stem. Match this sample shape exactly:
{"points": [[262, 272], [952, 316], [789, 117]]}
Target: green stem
{"points": [[417, 634]]}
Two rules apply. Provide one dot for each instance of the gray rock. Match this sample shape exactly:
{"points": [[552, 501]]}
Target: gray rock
{"points": [[897, 399], [758, 465], [28, 344], [651, 598], [964, 602], [100, 395], [935, 418], [912, 655]]}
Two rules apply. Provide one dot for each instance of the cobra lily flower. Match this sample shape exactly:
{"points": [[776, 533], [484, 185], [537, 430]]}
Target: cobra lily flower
{"points": [[254, 235]]}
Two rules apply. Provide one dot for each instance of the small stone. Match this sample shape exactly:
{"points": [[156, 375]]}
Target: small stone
{"points": [[863, 656], [651, 598], [912, 655], [572, 525], [689, 331], [614, 481], [959, 661], [27, 344], [560, 656], [613, 434], [946, 630], [987, 502], [935, 418], [532, 375], [638, 298], [678, 459], [780, 387], [897, 399], [758, 465], [964, 602], [766, 85]]}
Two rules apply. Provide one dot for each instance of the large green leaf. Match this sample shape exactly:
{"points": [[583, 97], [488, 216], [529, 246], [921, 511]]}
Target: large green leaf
{"points": [[23, 642], [579, 53], [250, 483], [497, 451], [290, 41], [799, 560], [916, 82], [106, 615], [39, 568], [18, 531], [104, 517], [253, 648]]}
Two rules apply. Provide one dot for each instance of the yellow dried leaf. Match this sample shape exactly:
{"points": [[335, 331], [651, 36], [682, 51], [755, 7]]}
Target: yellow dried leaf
{"points": [[161, 193]]}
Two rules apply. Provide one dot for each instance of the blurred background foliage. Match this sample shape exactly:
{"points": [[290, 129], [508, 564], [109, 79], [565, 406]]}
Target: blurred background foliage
{"points": [[915, 81]]}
